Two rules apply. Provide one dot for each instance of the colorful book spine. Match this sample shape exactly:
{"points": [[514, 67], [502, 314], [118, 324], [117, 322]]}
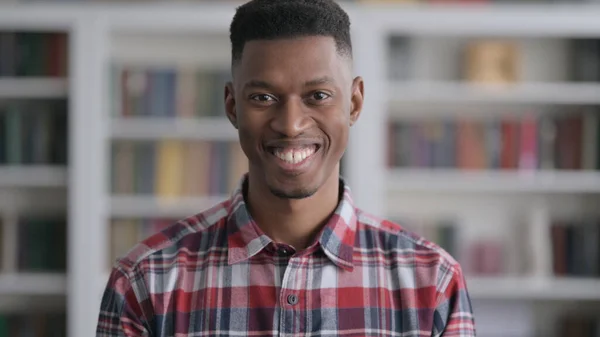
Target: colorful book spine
{"points": [[33, 54], [530, 142], [182, 92], [175, 168]]}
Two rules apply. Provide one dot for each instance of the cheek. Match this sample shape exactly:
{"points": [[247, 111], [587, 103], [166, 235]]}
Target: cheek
{"points": [[341, 142], [247, 141], [249, 134], [336, 130]]}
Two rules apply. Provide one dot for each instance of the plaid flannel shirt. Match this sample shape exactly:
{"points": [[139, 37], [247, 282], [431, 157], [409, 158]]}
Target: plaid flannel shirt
{"points": [[218, 274]]}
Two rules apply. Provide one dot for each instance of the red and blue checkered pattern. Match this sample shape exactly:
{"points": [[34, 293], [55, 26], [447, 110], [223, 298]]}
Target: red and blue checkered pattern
{"points": [[218, 274]]}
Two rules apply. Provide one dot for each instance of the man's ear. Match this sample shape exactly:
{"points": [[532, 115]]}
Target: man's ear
{"points": [[230, 109], [357, 99]]}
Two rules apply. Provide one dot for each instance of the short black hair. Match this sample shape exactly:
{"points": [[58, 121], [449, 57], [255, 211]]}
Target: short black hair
{"points": [[278, 19]]}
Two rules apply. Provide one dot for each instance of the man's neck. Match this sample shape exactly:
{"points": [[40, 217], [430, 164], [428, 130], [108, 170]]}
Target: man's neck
{"points": [[292, 221]]}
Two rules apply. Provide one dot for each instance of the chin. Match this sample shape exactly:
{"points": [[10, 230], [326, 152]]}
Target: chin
{"points": [[298, 187], [297, 193]]}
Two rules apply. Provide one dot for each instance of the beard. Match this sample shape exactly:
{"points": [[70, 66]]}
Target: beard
{"points": [[294, 194]]}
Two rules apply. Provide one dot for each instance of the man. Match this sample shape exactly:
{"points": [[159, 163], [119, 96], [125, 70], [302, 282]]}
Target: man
{"points": [[288, 254]]}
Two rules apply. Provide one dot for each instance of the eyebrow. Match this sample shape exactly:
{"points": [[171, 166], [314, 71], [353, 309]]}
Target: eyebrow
{"points": [[257, 84], [319, 81], [266, 85]]}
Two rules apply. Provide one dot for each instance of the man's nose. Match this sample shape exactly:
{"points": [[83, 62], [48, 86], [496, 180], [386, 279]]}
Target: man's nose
{"points": [[291, 118]]}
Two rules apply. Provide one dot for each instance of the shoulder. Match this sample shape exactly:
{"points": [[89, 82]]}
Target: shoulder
{"points": [[397, 236], [136, 275], [406, 250], [196, 233]]}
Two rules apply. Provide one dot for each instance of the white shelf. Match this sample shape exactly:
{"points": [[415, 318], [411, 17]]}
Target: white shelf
{"points": [[539, 20], [23, 304], [431, 180], [152, 128], [33, 176], [142, 206], [33, 88], [525, 288], [33, 284], [497, 19], [523, 93]]}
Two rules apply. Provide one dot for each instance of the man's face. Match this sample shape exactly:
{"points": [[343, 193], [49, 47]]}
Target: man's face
{"points": [[293, 102]]}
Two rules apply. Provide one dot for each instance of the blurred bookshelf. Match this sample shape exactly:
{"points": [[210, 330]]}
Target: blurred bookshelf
{"points": [[33, 170], [492, 151], [173, 150], [480, 131]]}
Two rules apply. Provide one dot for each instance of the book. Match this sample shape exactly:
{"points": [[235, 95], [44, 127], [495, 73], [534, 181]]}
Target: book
{"points": [[42, 244], [529, 142], [168, 92], [33, 324], [172, 168], [575, 245], [33, 54], [494, 62]]}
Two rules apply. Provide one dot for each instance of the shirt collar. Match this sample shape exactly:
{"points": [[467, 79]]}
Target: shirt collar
{"points": [[246, 239]]}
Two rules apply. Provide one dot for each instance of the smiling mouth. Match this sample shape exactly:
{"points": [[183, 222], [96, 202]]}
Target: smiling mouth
{"points": [[296, 154]]}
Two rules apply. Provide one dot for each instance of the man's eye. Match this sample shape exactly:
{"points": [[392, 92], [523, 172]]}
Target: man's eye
{"points": [[319, 95], [262, 98]]}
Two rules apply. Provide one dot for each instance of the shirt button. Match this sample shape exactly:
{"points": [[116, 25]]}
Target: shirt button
{"points": [[284, 252], [292, 299]]}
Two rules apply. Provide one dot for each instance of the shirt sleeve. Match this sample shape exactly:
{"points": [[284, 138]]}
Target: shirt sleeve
{"points": [[121, 313], [453, 316]]}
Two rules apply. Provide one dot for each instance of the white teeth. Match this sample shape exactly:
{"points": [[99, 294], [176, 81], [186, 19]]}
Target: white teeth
{"points": [[289, 156], [294, 156]]}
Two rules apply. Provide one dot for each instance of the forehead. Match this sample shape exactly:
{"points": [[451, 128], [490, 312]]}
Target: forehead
{"points": [[289, 60]]}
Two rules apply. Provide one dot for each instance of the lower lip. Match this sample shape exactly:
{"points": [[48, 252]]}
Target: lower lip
{"points": [[295, 167]]}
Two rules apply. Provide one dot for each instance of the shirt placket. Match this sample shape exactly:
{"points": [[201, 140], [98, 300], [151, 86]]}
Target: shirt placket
{"points": [[289, 299]]}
